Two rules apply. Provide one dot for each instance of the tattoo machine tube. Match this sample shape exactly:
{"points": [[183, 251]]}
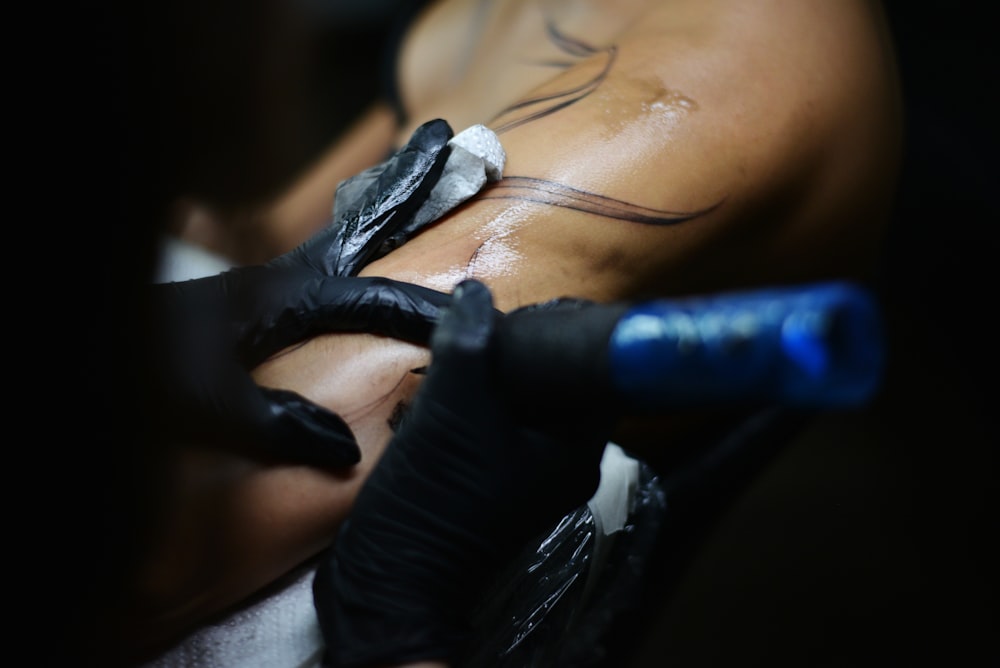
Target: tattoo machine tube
{"points": [[817, 346]]}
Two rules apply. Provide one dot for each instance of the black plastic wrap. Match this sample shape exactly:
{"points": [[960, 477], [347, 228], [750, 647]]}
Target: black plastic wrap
{"points": [[554, 604]]}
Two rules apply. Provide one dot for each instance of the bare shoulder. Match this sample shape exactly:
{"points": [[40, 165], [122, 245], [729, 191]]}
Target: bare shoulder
{"points": [[786, 114], [663, 147]]}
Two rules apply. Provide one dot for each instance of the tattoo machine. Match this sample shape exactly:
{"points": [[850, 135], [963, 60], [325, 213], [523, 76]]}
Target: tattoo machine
{"points": [[811, 346]]}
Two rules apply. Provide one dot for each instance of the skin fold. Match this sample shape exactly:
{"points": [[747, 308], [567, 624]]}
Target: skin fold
{"points": [[654, 149]]}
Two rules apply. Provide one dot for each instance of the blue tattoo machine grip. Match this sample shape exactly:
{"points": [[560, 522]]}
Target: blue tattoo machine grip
{"points": [[817, 346]]}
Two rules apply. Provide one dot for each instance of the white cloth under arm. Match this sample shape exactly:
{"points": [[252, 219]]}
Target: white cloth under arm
{"points": [[280, 628]]}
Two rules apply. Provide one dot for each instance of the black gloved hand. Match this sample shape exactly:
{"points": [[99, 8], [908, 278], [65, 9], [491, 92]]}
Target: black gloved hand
{"points": [[209, 332], [462, 485], [371, 209]]}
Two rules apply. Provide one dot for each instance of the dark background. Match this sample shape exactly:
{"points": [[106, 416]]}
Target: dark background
{"points": [[866, 540]]}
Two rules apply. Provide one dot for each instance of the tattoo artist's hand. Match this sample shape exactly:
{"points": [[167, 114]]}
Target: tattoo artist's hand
{"points": [[210, 332], [464, 483]]}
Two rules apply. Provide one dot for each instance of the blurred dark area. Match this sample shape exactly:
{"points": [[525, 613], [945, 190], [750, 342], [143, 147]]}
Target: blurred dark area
{"points": [[865, 539], [940, 257], [224, 101]]}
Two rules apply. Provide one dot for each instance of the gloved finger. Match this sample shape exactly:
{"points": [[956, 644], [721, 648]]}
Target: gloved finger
{"points": [[371, 206], [313, 306], [212, 400], [300, 431], [277, 425], [383, 306]]}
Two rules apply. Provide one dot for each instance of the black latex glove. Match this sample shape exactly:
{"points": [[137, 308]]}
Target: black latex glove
{"points": [[372, 209], [209, 332], [461, 486]]}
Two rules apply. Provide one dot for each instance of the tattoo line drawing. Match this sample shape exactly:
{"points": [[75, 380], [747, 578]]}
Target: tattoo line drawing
{"points": [[541, 191], [556, 101]]}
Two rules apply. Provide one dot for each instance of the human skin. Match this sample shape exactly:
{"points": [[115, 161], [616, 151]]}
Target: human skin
{"points": [[703, 146]]}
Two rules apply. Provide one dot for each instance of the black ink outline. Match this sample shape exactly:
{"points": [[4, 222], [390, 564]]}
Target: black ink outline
{"points": [[563, 99], [541, 191]]}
